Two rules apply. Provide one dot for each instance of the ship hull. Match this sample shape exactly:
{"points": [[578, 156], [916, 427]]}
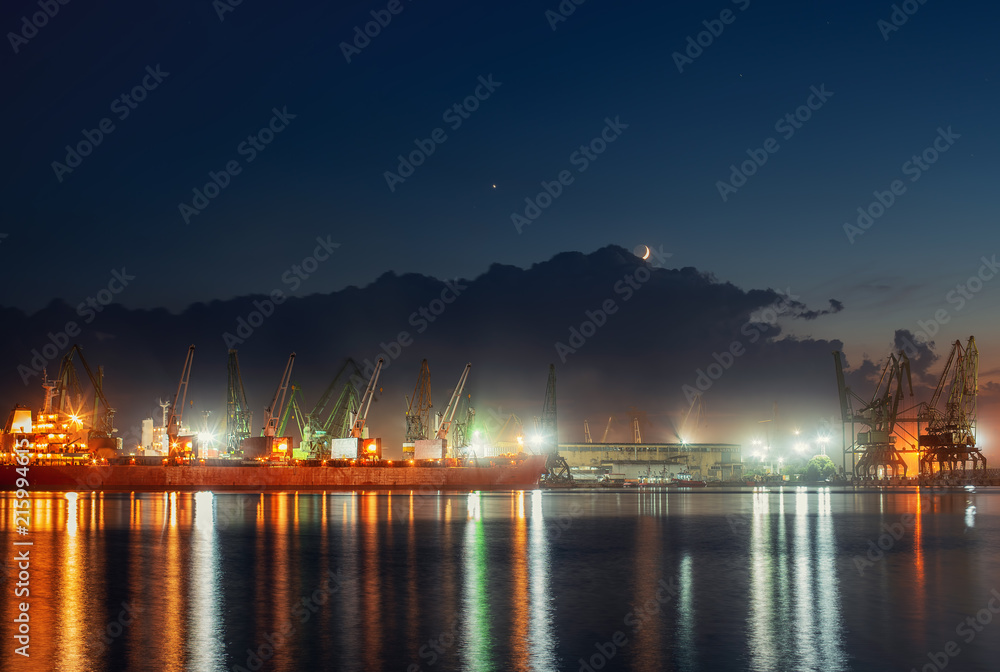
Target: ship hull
{"points": [[514, 475]]}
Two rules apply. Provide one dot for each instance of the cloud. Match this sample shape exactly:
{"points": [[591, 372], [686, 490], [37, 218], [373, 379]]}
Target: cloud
{"points": [[663, 330], [920, 353], [806, 314]]}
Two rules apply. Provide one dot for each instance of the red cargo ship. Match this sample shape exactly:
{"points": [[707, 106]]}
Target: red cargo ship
{"points": [[498, 473]]}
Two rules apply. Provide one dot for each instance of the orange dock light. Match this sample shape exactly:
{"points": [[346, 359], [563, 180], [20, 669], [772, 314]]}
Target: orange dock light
{"points": [[370, 449]]}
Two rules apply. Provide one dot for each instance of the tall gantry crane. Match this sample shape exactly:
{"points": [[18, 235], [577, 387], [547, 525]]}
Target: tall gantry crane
{"points": [[418, 407], [950, 437], [177, 410], [238, 414], [558, 468], [879, 455]]}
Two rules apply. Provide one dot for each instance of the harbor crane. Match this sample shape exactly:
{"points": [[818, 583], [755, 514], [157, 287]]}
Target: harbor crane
{"points": [[558, 468], [449, 412], [272, 414], [549, 428], [177, 410], [358, 426], [950, 437], [877, 444], [102, 426], [461, 430], [293, 408], [238, 414], [333, 415], [418, 407]]}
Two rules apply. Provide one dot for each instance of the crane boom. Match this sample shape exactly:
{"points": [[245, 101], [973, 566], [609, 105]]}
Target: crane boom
{"points": [[292, 409], [366, 401], [549, 426], [107, 423], [449, 411], [322, 410], [272, 414], [842, 390], [177, 411], [604, 439]]}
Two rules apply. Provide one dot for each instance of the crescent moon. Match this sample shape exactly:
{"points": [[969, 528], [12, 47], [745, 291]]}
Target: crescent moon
{"points": [[646, 256]]}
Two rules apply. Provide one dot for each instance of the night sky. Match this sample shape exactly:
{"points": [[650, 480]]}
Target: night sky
{"points": [[872, 99]]}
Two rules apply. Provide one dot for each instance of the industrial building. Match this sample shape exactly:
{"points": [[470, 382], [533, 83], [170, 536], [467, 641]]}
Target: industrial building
{"points": [[655, 461]]}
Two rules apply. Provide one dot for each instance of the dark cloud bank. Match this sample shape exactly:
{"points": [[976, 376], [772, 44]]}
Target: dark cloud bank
{"points": [[654, 331]]}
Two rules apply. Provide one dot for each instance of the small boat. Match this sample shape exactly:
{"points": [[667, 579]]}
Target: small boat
{"points": [[685, 480]]}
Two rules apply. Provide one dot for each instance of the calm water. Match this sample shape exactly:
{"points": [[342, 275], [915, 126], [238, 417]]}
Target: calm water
{"points": [[754, 580]]}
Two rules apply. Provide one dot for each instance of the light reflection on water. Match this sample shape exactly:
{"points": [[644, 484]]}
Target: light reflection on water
{"points": [[206, 643], [528, 581]]}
